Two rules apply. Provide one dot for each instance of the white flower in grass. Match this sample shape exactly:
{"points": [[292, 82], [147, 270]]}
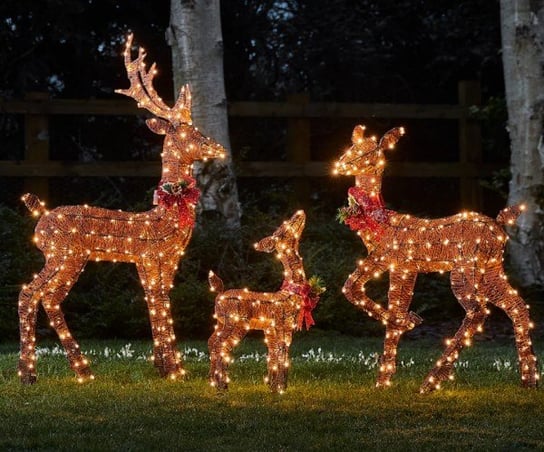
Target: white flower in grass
{"points": [[55, 351], [502, 364], [461, 364], [126, 352], [195, 354], [370, 361], [254, 356], [408, 363]]}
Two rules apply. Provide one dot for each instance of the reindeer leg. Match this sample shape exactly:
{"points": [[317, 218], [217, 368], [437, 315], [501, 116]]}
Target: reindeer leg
{"points": [[278, 343], [401, 291], [502, 295], [467, 290], [54, 292], [29, 299], [150, 277], [354, 290], [276, 377], [226, 336], [171, 356]]}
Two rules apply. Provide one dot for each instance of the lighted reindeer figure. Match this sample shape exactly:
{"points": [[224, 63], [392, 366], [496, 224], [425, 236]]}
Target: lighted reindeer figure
{"points": [[469, 245], [278, 314], [70, 236]]}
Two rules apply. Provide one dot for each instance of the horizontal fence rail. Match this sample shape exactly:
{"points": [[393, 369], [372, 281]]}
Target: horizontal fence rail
{"points": [[298, 110]]}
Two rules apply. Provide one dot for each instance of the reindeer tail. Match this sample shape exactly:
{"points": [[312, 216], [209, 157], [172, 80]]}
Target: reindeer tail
{"points": [[509, 215], [216, 284], [33, 203]]}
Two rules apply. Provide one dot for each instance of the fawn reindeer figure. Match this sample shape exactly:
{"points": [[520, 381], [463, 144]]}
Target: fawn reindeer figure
{"points": [[70, 236], [469, 245], [278, 314]]}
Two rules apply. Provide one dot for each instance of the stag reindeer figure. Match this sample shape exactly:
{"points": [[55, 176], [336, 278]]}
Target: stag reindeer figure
{"points": [[278, 314], [70, 236], [468, 245]]}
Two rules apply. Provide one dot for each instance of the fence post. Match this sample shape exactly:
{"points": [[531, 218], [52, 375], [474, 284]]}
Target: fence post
{"points": [[298, 146], [470, 145], [37, 146]]}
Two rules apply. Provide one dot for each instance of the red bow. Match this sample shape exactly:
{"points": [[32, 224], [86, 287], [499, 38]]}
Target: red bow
{"points": [[183, 194], [370, 214], [309, 302]]}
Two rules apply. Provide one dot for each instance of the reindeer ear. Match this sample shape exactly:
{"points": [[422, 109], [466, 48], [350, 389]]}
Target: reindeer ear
{"points": [[158, 125], [358, 134], [391, 137]]}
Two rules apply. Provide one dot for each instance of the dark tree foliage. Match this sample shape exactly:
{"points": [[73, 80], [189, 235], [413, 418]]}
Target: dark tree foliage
{"points": [[387, 50], [71, 47]]}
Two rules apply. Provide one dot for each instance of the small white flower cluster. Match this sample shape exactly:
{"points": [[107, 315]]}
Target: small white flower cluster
{"points": [[194, 354], [254, 356], [503, 364], [370, 361], [124, 352], [461, 364]]}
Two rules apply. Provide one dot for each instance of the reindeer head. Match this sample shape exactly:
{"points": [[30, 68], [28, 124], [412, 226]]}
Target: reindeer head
{"points": [[285, 237], [365, 155], [183, 143]]}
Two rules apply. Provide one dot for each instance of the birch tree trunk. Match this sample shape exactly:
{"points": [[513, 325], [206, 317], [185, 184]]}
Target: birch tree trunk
{"points": [[195, 37], [522, 26]]}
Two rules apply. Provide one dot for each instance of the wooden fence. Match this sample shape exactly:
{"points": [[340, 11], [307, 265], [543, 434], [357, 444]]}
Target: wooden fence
{"points": [[36, 167]]}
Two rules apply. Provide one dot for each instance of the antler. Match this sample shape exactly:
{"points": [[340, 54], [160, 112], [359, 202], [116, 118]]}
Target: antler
{"points": [[141, 89]]}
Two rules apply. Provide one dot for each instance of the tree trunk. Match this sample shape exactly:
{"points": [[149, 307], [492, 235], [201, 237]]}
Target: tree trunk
{"points": [[522, 26], [195, 37]]}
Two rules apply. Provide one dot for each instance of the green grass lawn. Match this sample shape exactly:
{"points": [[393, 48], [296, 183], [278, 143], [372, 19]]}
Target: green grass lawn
{"points": [[331, 402]]}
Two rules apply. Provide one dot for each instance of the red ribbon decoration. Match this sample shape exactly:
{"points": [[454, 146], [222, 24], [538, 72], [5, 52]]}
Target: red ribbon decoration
{"points": [[309, 301], [182, 197], [371, 213]]}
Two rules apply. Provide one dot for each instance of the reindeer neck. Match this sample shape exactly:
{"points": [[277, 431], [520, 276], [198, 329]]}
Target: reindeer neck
{"points": [[369, 184], [173, 170], [293, 268]]}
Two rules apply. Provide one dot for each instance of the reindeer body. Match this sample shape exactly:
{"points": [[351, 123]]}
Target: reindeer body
{"points": [[468, 245], [70, 236], [104, 235], [425, 245], [278, 314]]}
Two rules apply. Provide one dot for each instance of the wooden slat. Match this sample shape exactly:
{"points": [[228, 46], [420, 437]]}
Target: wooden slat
{"points": [[9, 168], [241, 109], [71, 107], [345, 110]]}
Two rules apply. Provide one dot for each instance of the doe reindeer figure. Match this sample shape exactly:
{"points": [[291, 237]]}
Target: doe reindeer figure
{"points": [[70, 236], [468, 245], [278, 314]]}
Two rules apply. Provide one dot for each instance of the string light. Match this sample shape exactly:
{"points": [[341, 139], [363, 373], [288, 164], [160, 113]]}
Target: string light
{"points": [[278, 314], [468, 245], [70, 236]]}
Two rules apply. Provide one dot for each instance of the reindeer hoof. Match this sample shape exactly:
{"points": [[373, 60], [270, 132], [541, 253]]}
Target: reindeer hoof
{"points": [[220, 385], [277, 389], [530, 382], [28, 379], [428, 387], [436, 377], [84, 374], [178, 374], [26, 375], [386, 372], [414, 319]]}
